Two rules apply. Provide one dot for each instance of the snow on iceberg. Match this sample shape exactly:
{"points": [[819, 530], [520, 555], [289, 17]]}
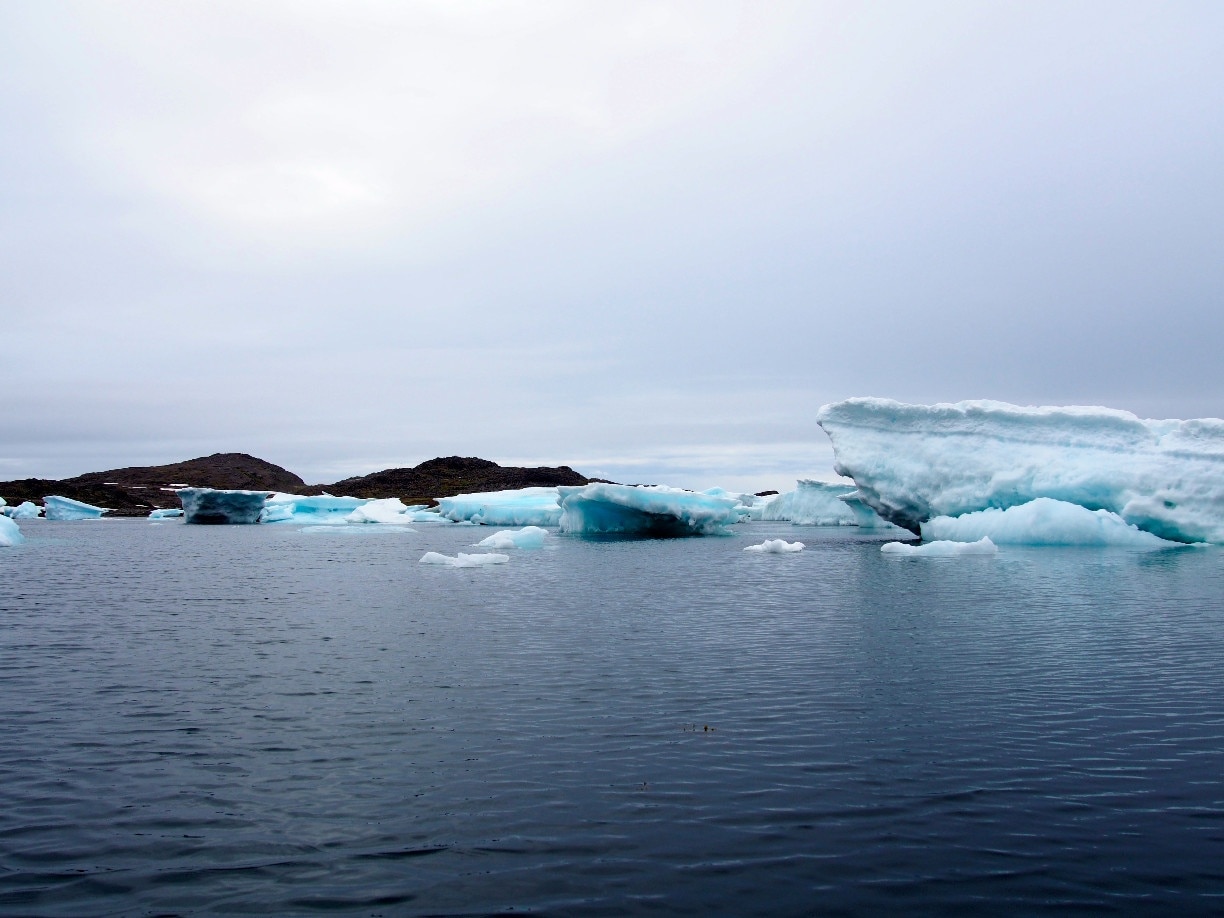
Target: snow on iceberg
{"points": [[316, 509], [651, 511], [462, 560], [10, 533], [521, 507], [385, 510], [26, 510], [940, 549], [165, 513], [211, 506], [1043, 521], [527, 537], [912, 463], [65, 508], [776, 547]]}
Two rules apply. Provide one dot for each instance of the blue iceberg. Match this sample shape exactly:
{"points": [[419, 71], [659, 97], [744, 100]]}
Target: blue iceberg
{"points": [[65, 508], [521, 507], [10, 533], [26, 510], [319, 509], [656, 511], [211, 506]]}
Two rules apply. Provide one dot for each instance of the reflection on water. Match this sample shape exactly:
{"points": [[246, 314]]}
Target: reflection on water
{"points": [[257, 719]]}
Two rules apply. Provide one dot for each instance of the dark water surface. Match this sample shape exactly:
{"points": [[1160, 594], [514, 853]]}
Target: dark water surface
{"points": [[260, 720]]}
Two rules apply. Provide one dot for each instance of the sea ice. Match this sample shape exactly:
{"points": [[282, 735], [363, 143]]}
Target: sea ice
{"points": [[521, 507], [10, 533], [776, 547], [912, 463], [527, 537], [462, 560], [208, 505], [26, 510], [65, 508], [165, 513], [1043, 521], [317, 508], [941, 549], [650, 511]]}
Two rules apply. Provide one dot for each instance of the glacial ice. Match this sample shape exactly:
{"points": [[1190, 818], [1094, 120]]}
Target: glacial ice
{"points": [[912, 463], [316, 509], [940, 549], [26, 510], [527, 537], [462, 560], [776, 547], [652, 511], [65, 508], [10, 533], [812, 503], [165, 513], [521, 507], [1043, 521], [208, 505]]}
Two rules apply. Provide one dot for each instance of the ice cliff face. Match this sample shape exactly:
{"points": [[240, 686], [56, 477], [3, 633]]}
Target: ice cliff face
{"points": [[912, 463], [206, 505]]}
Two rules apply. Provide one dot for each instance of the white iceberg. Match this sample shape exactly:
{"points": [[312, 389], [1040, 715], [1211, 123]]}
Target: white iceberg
{"points": [[26, 510], [521, 507], [812, 503], [527, 537], [65, 508], [912, 463], [462, 560], [213, 506], [316, 508], [776, 547], [10, 533], [165, 513], [941, 549], [386, 510], [650, 511], [1043, 521]]}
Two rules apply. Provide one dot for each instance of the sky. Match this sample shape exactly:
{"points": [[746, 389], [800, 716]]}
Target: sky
{"points": [[646, 240]]}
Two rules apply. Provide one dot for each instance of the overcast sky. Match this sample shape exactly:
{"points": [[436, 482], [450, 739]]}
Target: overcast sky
{"points": [[647, 240]]}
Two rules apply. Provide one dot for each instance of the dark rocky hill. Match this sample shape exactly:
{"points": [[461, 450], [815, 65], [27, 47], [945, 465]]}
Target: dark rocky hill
{"points": [[137, 490]]}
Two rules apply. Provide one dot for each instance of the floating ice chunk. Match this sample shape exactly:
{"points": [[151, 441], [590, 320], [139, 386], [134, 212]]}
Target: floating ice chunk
{"points": [[26, 510], [1043, 522], [10, 533], [317, 508], [212, 506], [912, 463], [385, 510], [650, 511], [941, 549], [527, 537], [776, 547], [3, 502], [521, 507], [462, 560], [165, 513], [812, 503], [65, 508]]}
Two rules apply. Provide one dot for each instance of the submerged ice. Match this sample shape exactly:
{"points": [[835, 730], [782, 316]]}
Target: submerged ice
{"points": [[913, 463], [527, 537], [650, 511]]}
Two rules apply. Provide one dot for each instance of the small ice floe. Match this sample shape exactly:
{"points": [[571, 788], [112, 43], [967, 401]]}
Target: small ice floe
{"points": [[462, 560], [10, 534], [941, 549], [166, 513], [527, 537], [776, 547]]}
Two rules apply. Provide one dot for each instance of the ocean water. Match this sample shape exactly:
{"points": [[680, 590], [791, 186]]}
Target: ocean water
{"points": [[265, 720]]}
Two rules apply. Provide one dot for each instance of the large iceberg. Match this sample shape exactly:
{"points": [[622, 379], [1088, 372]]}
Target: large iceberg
{"points": [[208, 505], [10, 533], [521, 507], [65, 508], [649, 511], [315, 509], [26, 510], [1043, 521], [912, 463]]}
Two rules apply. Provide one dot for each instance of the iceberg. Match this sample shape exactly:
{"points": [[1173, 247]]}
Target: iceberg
{"points": [[462, 560], [940, 549], [165, 513], [912, 463], [26, 510], [812, 503], [1043, 521], [385, 510], [316, 509], [521, 507], [776, 547], [208, 505], [657, 510], [527, 537], [65, 508], [10, 533]]}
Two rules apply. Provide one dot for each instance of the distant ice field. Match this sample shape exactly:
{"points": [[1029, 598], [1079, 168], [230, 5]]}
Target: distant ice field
{"points": [[283, 720]]}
